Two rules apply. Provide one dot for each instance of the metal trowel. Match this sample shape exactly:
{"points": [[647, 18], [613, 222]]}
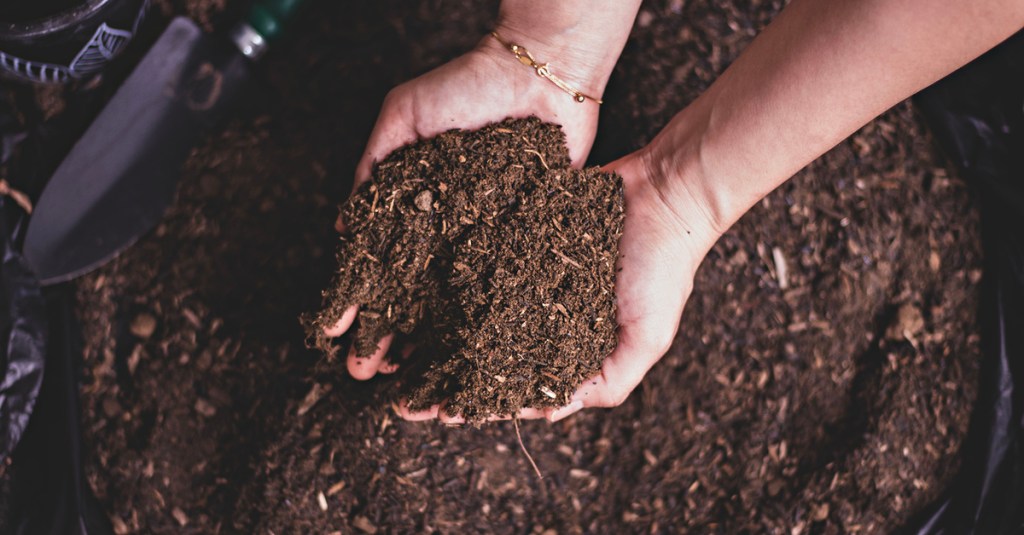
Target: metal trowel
{"points": [[121, 175]]}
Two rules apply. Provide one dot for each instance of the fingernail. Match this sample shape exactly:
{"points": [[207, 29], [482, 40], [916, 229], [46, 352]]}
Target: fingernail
{"points": [[566, 411]]}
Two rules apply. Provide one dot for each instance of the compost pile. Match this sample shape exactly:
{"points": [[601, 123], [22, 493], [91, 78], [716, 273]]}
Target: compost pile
{"points": [[821, 382], [495, 256]]}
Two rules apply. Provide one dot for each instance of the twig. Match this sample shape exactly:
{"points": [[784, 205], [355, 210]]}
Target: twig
{"points": [[566, 259], [515, 423], [19, 197], [539, 155]]}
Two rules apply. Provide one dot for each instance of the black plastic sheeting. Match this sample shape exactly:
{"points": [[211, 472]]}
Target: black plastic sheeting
{"points": [[977, 116], [50, 495], [22, 322], [22, 344], [44, 491]]}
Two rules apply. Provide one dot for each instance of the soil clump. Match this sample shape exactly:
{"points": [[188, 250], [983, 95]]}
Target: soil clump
{"points": [[494, 256]]}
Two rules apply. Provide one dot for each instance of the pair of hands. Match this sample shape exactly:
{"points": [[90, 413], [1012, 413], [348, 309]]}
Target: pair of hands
{"points": [[816, 75], [658, 250]]}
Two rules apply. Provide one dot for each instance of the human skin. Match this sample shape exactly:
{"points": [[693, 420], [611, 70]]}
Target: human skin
{"points": [[581, 39], [819, 72]]}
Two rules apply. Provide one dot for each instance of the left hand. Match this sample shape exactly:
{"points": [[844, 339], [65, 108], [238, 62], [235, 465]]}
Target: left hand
{"points": [[663, 242]]}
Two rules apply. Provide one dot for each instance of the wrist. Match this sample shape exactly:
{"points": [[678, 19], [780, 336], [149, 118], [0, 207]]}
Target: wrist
{"points": [[580, 46], [665, 195], [699, 169], [678, 170]]}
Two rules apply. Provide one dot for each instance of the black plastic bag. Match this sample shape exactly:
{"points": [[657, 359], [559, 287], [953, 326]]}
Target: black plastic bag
{"points": [[977, 116], [22, 345], [50, 495], [22, 321], [43, 490]]}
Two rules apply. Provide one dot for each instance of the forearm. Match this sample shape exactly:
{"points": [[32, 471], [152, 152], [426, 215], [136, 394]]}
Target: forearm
{"points": [[581, 39], [819, 72]]}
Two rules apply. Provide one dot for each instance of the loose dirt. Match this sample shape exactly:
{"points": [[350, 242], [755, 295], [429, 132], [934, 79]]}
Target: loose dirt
{"points": [[493, 255], [835, 402]]}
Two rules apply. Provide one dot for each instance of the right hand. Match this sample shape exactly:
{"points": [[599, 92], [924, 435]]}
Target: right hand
{"points": [[669, 228]]}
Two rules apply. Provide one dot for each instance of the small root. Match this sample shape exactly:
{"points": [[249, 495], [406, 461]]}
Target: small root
{"points": [[515, 423], [540, 156]]}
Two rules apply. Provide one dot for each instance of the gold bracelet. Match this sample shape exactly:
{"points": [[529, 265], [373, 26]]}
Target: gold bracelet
{"points": [[543, 70]]}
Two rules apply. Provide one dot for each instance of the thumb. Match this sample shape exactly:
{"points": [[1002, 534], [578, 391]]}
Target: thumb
{"points": [[620, 374]]}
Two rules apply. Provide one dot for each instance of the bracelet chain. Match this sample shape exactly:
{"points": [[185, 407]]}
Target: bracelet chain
{"points": [[543, 70]]}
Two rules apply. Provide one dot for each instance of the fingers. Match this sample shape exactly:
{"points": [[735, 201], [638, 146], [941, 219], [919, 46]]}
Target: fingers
{"points": [[344, 322], [363, 368], [554, 415], [524, 414], [389, 367], [438, 412], [417, 416], [620, 374]]}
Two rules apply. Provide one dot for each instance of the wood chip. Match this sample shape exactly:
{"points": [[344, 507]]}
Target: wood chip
{"points": [[23, 200], [363, 524], [180, 516], [143, 325], [120, 528], [314, 395], [205, 408], [566, 259], [781, 269], [336, 488], [424, 200]]}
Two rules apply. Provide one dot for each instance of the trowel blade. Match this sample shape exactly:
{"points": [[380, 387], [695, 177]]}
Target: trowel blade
{"points": [[118, 180]]}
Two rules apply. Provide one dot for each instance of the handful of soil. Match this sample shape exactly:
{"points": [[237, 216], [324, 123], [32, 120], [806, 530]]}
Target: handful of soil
{"points": [[495, 257]]}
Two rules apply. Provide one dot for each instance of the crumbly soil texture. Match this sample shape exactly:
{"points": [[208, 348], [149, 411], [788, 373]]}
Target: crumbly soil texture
{"points": [[492, 254], [821, 382]]}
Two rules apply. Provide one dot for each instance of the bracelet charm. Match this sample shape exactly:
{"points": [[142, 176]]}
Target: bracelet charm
{"points": [[543, 70]]}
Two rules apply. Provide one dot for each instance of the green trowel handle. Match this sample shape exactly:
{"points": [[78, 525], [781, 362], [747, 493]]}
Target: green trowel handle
{"points": [[269, 17]]}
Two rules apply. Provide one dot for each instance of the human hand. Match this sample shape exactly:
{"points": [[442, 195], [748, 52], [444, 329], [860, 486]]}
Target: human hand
{"points": [[484, 86], [795, 92], [667, 233], [663, 243]]}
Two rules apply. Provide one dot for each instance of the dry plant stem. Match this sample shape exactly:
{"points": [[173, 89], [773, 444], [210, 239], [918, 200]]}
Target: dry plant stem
{"points": [[519, 437]]}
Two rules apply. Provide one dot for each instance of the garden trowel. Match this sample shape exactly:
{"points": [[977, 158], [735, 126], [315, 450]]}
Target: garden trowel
{"points": [[120, 177]]}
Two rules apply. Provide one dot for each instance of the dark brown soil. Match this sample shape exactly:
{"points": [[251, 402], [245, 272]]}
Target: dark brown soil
{"points": [[784, 407], [492, 254]]}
